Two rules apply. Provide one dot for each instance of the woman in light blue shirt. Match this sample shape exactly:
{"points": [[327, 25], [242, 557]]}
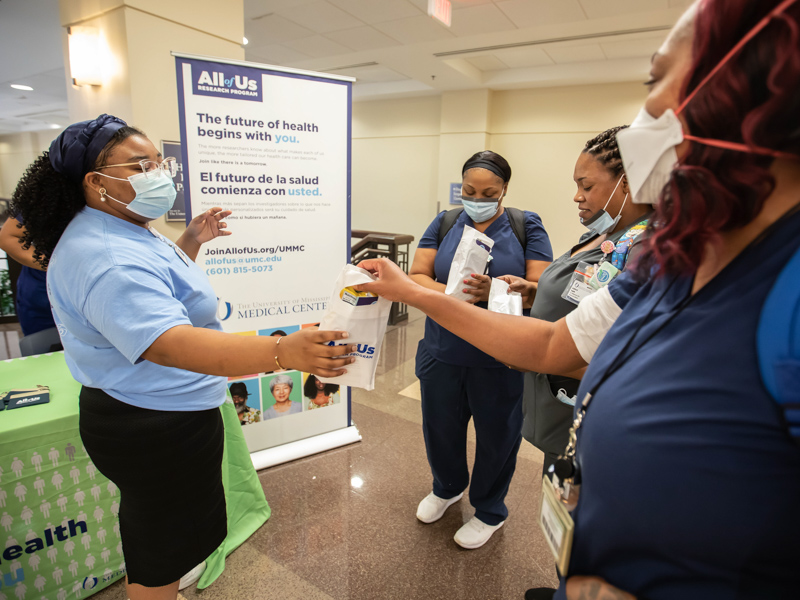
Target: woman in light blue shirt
{"points": [[138, 321]]}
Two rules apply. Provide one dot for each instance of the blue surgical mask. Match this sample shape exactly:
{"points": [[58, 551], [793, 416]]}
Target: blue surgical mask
{"points": [[155, 193], [480, 211], [602, 222]]}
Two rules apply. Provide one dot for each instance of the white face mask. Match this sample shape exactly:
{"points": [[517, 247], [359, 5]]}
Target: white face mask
{"points": [[648, 153]]}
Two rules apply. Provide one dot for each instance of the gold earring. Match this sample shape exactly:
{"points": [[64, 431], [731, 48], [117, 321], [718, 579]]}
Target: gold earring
{"points": [[102, 194]]}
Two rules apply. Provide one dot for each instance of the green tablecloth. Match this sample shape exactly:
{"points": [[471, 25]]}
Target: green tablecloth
{"points": [[59, 532]]}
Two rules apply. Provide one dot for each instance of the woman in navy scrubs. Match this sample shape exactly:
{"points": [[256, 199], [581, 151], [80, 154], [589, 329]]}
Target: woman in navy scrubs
{"points": [[33, 307], [460, 382], [690, 478]]}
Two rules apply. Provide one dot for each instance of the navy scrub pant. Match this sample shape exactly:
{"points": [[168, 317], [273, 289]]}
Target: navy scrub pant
{"points": [[452, 394]]}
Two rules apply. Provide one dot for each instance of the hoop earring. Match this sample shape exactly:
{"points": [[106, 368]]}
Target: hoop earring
{"points": [[102, 194]]}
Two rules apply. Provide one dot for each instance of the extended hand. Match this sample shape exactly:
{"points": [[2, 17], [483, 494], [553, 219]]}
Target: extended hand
{"points": [[392, 283], [594, 588], [478, 287], [307, 350], [523, 286], [205, 227]]}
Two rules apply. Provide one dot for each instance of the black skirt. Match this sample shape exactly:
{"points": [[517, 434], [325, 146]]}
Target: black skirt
{"points": [[168, 468]]}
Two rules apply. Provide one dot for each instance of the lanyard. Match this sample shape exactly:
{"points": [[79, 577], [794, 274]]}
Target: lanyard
{"points": [[566, 466], [175, 247]]}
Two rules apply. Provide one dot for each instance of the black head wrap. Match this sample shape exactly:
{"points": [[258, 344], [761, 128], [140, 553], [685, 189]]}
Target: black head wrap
{"points": [[74, 152], [483, 164]]}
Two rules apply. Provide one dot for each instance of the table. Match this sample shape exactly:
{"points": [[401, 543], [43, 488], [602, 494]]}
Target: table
{"points": [[59, 533]]}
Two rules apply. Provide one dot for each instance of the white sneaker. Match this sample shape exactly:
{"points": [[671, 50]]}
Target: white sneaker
{"points": [[192, 576], [475, 533], [432, 507]]}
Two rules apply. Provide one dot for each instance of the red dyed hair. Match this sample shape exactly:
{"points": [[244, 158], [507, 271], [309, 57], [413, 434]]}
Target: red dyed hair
{"points": [[753, 99]]}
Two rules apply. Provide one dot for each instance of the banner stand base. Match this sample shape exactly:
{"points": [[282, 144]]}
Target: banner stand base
{"points": [[270, 457]]}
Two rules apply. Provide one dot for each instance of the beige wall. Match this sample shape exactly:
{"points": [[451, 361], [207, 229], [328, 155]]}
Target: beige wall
{"points": [[141, 34], [540, 132], [17, 151], [395, 164]]}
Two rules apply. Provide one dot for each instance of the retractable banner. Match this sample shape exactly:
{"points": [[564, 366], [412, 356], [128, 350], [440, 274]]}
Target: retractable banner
{"points": [[273, 146]]}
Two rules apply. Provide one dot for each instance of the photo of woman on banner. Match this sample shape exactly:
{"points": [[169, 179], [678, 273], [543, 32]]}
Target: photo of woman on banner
{"points": [[320, 394], [285, 398], [248, 409], [138, 321]]}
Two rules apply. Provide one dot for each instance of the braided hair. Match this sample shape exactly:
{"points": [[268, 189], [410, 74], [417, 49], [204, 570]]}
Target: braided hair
{"points": [[45, 201], [604, 148]]}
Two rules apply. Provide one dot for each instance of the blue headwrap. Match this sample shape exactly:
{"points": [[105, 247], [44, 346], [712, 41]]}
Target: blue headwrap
{"points": [[74, 152]]}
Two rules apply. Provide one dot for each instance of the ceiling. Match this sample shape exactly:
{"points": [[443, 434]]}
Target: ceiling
{"points": [[30, 43], [394, 49], [391, 46]]}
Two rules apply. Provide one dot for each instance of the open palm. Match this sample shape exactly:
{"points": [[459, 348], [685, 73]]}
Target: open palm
{"points": [[208, 225]]}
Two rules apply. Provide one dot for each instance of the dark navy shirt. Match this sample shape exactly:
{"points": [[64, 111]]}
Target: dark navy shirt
{"points": [[33, 306], [690, 480], [508, 258]]}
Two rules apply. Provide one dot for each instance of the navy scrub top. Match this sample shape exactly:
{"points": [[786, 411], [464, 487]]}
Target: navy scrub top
{"points": [[33, 306], [507, 259], [690, 479]]}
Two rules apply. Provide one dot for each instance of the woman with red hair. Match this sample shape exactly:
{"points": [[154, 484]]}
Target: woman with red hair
{"points": [[688, 478]]}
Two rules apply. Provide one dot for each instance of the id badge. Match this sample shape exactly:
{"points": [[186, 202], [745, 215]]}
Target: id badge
{"points": [[557, 526], [578, 287]]}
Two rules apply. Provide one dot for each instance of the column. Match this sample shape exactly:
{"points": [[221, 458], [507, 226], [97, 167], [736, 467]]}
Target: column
{"points": [[138, 72]]}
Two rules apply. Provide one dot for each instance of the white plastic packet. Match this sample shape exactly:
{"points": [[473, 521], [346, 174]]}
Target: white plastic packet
{"points": [[364, 316], [503, 301], [471, 257]]}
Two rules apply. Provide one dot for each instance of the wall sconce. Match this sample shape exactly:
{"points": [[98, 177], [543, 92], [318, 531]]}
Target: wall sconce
{"points": [[86, 55]]}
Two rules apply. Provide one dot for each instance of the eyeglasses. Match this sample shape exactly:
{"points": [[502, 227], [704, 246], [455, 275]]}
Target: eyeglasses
{"points": [[149, 167]]}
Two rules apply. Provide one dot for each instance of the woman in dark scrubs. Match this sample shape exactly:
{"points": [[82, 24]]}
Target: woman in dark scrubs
{"points": [[31, 303], [607, 211], [458, 381]]}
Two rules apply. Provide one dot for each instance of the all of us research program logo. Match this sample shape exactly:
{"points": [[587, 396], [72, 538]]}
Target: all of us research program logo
{"points": [[226, 81]]}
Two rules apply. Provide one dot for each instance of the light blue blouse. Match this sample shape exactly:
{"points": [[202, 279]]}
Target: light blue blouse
{"points": [[115, 288]]}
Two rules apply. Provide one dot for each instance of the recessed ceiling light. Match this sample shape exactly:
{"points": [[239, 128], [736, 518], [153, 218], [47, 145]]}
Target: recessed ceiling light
{"points": [[24, 88], [54, 126], [244, 41]]}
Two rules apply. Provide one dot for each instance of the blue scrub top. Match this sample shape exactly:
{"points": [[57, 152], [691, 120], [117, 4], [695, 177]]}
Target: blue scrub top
{"points": [[507, 259], [690, 479], [33, 307], [115, 288]]}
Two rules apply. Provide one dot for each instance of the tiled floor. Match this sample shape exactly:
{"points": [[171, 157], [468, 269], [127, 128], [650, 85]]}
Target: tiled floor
{"points": [[329, 540]]}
